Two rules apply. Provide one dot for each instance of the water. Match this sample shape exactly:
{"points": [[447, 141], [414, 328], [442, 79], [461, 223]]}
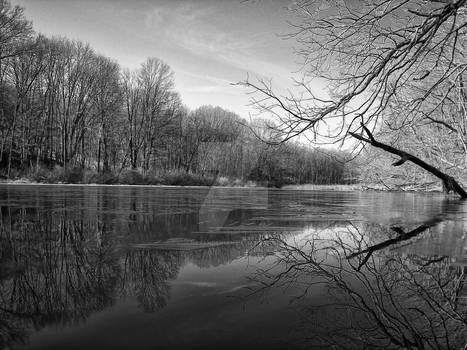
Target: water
{"points": [[198, 268]]}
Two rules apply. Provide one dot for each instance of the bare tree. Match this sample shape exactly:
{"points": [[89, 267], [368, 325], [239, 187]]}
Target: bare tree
{"points": [[107, 104], [15, 35], [15, 30], [150, 104], [387, 63]]}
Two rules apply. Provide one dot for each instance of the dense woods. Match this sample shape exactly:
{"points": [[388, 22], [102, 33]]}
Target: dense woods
{"points": [[69, 114]]}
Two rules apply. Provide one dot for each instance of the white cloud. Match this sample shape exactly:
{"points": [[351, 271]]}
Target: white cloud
{"points": [[191, 27]]}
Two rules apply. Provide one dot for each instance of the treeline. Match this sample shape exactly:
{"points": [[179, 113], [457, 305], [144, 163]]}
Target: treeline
{"points": [[69, 114]]}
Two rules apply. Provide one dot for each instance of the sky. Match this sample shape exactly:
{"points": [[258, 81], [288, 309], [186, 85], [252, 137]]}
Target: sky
{"points": [[209, 44]]}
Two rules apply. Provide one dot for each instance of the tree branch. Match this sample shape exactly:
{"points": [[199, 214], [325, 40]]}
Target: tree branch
{"points": [[449, 183]]}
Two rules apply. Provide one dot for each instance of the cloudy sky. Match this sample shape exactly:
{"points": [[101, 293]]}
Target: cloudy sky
{"points": [[208, 44]]}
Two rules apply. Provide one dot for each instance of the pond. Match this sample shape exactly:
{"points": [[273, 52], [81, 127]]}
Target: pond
{"points": [[117, 267]]}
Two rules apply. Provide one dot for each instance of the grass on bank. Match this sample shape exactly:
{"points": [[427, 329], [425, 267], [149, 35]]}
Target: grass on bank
{"points": [[76, 175]]}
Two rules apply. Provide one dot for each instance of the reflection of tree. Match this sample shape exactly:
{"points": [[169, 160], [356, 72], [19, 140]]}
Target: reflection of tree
{"points": [[55, 271], [401, 237], [399, 302], [148, 273], [378, 298], [59, 267]]}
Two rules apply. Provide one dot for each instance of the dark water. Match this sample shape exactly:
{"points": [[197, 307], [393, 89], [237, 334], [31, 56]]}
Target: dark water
{"points": [[198, 268]]}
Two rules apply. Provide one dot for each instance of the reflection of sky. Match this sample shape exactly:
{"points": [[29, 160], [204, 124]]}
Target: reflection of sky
{"points": [[205, 310], [209, 44]]}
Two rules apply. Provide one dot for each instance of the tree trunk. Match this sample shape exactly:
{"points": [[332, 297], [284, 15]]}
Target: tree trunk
{"points": [[449, 183], [15, 116], [106, 161], [99, 156]]}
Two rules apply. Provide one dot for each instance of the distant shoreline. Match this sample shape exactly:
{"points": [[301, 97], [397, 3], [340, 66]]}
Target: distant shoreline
{"points": [[287, 187], [302, 187], [31, 183]]}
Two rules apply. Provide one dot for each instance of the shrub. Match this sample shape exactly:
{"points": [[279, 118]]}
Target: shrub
{"points": [[74, 175], [186, 179], [91, 177], [222, 181], [151, 179], [14, 173], [56, 175], [39, 174], [59, 174], [238, 183], [108, 179], [250, 183], [130, 177]]}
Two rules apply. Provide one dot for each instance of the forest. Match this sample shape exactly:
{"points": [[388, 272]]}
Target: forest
{"points": [[71, 115]]}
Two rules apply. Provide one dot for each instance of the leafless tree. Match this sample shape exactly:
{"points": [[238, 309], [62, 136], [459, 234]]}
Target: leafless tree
{"points": [[386, 63]]}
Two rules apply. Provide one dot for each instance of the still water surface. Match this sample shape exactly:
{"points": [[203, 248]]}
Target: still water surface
{"points": [[104, 267]]}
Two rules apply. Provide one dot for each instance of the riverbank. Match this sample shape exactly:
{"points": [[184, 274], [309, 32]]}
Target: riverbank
{"points": [[76, 175], [128, 177], [249, 184], [425, 187], [80, 176]]}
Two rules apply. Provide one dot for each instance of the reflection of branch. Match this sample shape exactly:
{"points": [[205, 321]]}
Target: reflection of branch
{"points": [[398, 300], [403, 236]]}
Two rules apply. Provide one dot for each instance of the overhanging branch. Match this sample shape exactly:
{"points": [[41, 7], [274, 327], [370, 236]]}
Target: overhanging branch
{"points": [[449, 183]]}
